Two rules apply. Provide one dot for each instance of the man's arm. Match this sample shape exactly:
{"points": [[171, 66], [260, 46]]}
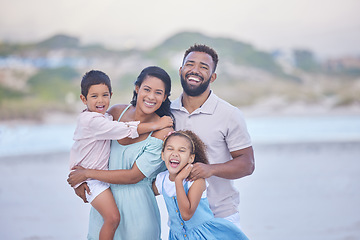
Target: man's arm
{"points": [[242, 164]]}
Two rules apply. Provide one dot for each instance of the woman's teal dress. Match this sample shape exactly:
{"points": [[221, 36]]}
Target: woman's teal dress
{"points": [[140, 216]]}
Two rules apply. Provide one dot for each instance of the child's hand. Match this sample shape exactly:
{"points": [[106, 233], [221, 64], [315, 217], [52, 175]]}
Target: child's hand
{"points": [[80, 191], [184, 173], [164, 122]]}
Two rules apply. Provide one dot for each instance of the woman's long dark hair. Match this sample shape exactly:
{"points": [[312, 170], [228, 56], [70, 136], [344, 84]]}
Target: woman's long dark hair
{"points": [[161, 74]]}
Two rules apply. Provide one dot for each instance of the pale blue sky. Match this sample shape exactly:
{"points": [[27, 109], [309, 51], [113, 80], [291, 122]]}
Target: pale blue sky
{"points": [[329, 28]]}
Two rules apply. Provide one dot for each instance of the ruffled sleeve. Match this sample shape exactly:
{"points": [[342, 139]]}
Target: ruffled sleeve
{"points": [[133, 125], [149, 161]]}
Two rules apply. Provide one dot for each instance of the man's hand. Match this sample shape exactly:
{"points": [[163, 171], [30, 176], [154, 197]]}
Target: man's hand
{"points": [[200, 170], [240, 166], [80, 191]]}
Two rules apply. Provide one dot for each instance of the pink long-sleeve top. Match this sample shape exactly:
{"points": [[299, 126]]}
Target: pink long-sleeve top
{"points": [[92, 139]]}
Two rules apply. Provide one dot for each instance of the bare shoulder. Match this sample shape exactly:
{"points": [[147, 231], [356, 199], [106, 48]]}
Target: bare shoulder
{"points": [[161, 134], [116, 110]]}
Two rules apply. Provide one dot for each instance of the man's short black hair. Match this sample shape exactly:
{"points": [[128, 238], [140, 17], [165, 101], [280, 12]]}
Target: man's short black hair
{"points": [[205, 49]]}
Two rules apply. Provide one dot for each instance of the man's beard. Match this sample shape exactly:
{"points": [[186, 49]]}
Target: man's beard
{"points": [[195, 91]]}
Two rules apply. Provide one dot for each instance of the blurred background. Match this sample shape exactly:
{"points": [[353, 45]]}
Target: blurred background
{"points": [[292, 67]]}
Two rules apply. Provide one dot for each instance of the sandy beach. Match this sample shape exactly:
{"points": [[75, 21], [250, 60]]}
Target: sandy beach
{"points": [[298, 191], [303, 191]]}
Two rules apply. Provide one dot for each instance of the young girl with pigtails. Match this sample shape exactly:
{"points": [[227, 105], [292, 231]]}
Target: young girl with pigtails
{"points": [[190, 216]]}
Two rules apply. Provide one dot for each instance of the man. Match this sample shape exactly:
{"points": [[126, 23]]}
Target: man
{"points": [[220, 125]]}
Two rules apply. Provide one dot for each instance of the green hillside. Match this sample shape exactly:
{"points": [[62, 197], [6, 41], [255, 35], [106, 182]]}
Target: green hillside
{"points": [[228, 49]]}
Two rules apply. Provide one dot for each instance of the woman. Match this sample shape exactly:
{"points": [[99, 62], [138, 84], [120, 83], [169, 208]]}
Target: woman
{"points": [[134, 163]]}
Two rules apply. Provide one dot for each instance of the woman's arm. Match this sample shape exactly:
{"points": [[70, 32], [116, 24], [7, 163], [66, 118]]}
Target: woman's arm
{"points": [[122, 176], [188, 203]]}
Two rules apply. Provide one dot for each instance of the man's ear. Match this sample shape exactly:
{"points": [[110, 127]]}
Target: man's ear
{"points": [[180, 71], [83, 99], [213, 77]]}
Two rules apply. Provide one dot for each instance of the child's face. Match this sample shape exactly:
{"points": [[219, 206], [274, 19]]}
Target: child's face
{"points": [[98, 98], [177, 153]]}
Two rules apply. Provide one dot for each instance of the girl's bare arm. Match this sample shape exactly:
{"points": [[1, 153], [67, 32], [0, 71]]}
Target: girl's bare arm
{"points": [[188, 203]]}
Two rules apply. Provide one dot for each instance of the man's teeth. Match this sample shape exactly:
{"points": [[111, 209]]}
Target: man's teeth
{"points": [[194, 79]]}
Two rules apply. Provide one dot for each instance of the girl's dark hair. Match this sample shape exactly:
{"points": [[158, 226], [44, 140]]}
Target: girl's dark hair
{"points": [[161, 74], [197, 145], [94, 77]]}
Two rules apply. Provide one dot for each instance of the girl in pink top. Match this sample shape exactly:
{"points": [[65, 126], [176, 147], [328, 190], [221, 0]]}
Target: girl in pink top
{"points": [[95, 128]]}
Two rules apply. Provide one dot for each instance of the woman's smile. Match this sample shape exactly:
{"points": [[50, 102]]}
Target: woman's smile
{"points": [[151, 104]]}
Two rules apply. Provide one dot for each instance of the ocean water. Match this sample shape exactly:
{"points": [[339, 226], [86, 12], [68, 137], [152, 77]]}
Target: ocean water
{"points": [[35, 139], [47, 138], [291, 129]]}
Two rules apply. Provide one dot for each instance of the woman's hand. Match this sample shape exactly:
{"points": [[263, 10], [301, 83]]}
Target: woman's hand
{"points": [[77, 176], [184, 173]]}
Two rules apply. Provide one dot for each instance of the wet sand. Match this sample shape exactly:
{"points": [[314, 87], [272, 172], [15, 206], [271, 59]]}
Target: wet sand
{"points": [[298, 191]]}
